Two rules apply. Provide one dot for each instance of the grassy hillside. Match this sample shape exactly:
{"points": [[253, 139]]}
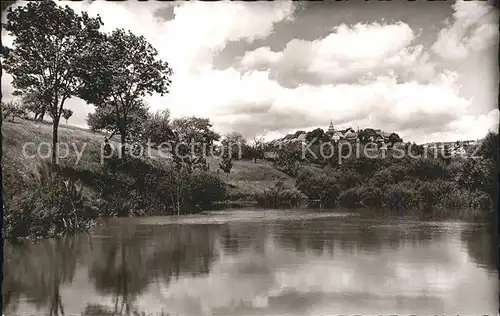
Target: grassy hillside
{"points": [[244, 179]]}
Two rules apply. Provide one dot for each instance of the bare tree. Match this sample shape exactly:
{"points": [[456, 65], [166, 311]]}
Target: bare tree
{"points": [[257, 147]]}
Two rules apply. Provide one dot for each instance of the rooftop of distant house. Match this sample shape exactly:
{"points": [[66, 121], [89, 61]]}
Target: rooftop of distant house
{"points": [[347, 133]]}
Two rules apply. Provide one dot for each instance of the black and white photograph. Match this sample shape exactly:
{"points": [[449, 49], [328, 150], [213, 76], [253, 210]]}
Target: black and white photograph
{"points": [[250, 158]]}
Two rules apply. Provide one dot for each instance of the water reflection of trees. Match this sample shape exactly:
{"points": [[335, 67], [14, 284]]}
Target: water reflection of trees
{"points": [[239, 237], [125, 265], [320, 236], [350, 237], [37, 271], [479, 243], [122, 265], [120, 269], [183, 249], [102, 310]]}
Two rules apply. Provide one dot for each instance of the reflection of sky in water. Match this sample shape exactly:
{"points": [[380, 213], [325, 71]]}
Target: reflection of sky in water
{"points": [[434, 275], [318, 264]]}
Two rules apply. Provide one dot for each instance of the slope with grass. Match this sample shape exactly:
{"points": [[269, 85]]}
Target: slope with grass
{"points": [[245, 179]]}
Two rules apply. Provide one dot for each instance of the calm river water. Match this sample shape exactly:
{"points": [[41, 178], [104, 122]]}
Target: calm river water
{"points": [[258, 262]]}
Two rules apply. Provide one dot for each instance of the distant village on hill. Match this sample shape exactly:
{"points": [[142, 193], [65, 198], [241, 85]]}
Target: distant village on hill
{"points": [[384, 140]]}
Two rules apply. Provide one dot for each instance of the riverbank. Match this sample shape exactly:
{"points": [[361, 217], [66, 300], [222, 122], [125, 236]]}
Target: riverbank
{"points": [[114, 188], [43, 202]]}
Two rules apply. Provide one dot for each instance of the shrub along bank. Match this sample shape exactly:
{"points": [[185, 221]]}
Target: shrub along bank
{"points": [[414, 183]]}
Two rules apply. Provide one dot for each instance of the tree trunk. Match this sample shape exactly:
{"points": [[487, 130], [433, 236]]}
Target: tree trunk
{"points": [[123, 137], [55, 126], [1, 136], [42, 114], [178, 194]]}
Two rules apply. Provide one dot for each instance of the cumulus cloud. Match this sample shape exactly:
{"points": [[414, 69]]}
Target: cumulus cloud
{"points": [[348, 53], [474, 28], [366, 74], [254, 103], [198, 30], [202, 29]]}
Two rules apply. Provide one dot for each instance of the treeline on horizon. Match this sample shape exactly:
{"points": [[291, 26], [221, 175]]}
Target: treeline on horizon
{"points": [[114, 72]]}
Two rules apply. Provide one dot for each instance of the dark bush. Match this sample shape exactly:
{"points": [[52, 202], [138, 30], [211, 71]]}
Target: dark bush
{"points": [[280, 196], [455, 169], [204, 189], [381, 179], [427, 169], [363, 166], [348, 179], [318, 186], [49, 204], [134, 187], [461, 198], [481, 201], [432, 192], [350, 198], [478, 174], [361, 196], [405, 192], [398, 172], [371, 196]]}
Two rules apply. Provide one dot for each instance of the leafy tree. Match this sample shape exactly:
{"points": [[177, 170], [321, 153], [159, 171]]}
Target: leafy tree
{"points": [[34, 103], [394, 138], [318, 187], [49, 51], [479, 174], [364, 135], [157, 128], [445, 155], [381, 178], [415, 149], [349, 178], [236, 145], [67, 113], [489, 150], [194, 138], [489, 147], [427, 169], [125, 69], [227, 164], [196, 129], [106, 119], [318, 135], [288, 158], [13, 109], [7, 108]]}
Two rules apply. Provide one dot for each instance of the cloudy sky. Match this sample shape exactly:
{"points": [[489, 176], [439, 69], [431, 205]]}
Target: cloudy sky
{"points": [[427, 70]]}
